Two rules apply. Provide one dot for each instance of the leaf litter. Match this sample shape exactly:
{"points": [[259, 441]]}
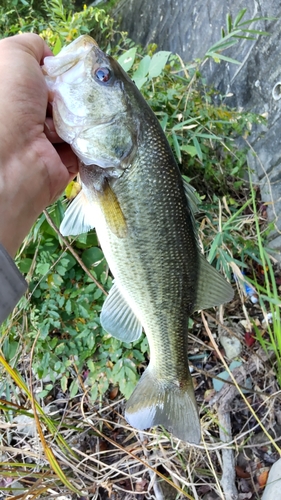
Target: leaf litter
{"points": [[113, 461]]}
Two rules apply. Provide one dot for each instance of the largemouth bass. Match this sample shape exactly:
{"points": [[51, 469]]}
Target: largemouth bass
{"points": [[133, 194]]}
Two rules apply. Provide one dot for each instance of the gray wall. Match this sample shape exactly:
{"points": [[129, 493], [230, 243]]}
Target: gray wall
{"points": [[190, 27]]}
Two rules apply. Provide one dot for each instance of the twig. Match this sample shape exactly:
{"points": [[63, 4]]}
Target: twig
{"points": [[228, 463], [154, 481], [69, 247]]}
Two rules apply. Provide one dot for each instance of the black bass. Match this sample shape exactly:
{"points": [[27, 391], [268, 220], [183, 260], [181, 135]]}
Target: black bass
{"points": [[133, 194]]}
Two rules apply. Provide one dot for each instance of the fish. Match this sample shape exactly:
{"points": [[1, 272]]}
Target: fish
{"points": [[133, 194]]}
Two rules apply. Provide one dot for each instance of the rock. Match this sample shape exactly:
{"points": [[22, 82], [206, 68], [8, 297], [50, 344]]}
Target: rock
{"points": [[189, 28], [231, 345], [211, 496], [273, 485], [218, 384], [25, 425]]}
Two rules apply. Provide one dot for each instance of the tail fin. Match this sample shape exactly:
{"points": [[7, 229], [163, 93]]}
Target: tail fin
{"points": [[161, 402]]}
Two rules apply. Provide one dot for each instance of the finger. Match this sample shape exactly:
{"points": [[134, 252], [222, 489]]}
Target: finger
{"points": [[68, 158], [30, 42], [50, 132]]}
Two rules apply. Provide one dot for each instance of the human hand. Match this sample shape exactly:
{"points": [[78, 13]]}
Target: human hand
{"points": [[35, 165]]}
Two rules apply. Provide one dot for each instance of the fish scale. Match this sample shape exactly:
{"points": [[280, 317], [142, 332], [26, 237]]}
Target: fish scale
{"points": [[134, 196]]}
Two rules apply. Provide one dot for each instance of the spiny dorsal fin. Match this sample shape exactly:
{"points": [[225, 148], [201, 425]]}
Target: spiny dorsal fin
{"points": [[192, 199]]}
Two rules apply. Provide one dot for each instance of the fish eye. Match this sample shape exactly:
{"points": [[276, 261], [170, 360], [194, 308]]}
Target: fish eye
{"points": [[103, 74]]}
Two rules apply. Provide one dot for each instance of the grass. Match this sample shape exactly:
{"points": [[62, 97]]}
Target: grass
{"points": [[269, 298], [80, 441], [76, 443]]}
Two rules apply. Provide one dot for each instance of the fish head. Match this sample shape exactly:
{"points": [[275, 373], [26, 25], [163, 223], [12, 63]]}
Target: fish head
{"points": [[91, 109]]}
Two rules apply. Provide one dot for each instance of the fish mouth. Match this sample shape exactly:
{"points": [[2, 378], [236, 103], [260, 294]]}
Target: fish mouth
{"points": [[68, 57]]}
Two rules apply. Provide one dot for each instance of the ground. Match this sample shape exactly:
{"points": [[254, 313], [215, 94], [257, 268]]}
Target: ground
{"points": [[104, 458]]}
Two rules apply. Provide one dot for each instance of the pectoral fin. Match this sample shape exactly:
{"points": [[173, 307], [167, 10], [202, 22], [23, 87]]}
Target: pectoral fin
{"points": [[118, 319], [212, 289], [112, 211], [79, 217]]}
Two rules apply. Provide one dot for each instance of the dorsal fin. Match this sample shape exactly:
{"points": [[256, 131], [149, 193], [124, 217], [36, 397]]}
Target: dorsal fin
{"points": [[212, 288]]}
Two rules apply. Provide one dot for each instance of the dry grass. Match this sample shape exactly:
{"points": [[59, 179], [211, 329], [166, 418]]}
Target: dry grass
{"points": [[107, 459]]}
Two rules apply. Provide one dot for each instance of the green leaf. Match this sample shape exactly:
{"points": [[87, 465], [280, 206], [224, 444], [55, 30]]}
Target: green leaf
{"points": [[191, 150], [213, 250], [238, 18], [222, 43], [138, 355], [176, 146], [228, 23], [164, 121], [143, 68], [90, 288], [255, 32], [144, 345], [139, 82], [68, 306], [60, 349], [180, 125], [37, 293], [128, 388], [216, 56], [60, 270], [10, 348], [209, 136], [98, 294], [59, 211], [126, 60], [42, 268], [57, 279], [73, 389], [57, 47], [83, 311], [158, 63], [198, 148], [94, 393], [92, 257], [63, 383], [24, 265]]}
